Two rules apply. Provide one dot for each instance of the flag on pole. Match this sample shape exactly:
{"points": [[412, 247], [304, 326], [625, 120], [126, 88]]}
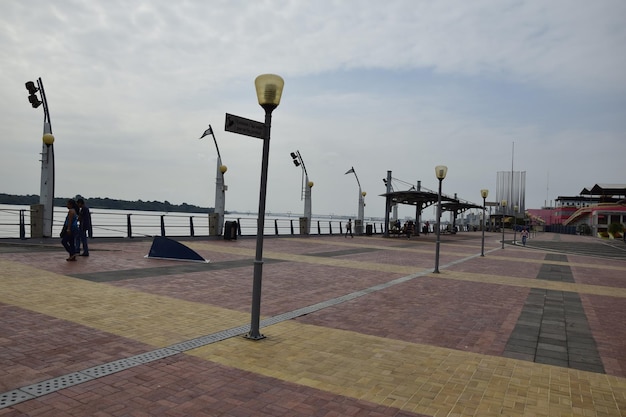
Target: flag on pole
{"points": [[207, 132], [350, 171]]}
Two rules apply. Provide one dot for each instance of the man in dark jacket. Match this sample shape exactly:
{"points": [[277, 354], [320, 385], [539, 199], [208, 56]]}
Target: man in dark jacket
{"points": [[84, 219]]}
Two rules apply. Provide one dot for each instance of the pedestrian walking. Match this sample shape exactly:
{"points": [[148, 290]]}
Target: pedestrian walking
{"points": [[84, 222], [524, 236], [70, 230], [349, 229]]}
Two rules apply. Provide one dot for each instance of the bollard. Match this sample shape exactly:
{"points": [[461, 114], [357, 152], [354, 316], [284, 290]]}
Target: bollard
{"points": [[22, 225], [129, 228]]}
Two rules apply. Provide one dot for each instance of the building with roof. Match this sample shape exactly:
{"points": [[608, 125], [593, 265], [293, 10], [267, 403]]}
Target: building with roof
{"points": [[593, 211]]}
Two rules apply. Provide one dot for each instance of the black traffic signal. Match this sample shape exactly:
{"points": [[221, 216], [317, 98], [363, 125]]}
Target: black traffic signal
{"points": [[32, 98]]}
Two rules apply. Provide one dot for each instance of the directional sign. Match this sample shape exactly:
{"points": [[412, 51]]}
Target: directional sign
{"points": [[243, 126]]}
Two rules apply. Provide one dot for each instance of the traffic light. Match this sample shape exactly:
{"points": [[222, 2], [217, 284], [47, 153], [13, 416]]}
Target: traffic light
{"points": [[32, 98]]}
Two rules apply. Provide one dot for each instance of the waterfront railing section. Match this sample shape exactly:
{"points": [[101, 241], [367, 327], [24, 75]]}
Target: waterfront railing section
{"points": [[15, 223]]}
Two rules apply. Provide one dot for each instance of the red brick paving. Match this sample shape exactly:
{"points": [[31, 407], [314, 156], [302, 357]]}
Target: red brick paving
{"points": [[460, 315]]}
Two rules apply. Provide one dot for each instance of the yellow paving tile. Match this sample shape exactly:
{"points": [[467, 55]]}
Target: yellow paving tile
{"points": [[605, 266], [156, 320], [532, 283], [418, 378]]}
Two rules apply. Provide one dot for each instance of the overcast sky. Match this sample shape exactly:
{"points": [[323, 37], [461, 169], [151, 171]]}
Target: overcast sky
{"points": [[400, 85]]}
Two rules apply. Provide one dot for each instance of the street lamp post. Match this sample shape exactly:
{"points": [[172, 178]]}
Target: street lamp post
{"points": [[269, 89], [359, 230], [503, 205], [46, 195], [515, 209], [220, 187], [484, 193], [306, 188], [361, 208], [440, 172]]}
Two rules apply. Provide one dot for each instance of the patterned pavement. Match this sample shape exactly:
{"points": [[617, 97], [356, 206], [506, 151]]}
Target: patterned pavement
{"points": [[354, 327]]}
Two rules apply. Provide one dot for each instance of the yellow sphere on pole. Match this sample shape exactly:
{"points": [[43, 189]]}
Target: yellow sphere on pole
{"points": [[48, 139], [223, 169], [310, 184]]}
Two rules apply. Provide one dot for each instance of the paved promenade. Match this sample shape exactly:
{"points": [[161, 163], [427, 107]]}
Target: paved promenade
{"points": [[354, 327]]}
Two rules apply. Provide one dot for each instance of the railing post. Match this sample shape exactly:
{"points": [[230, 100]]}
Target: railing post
{"points": [[191, 226], [22, 225], [276, 226], [162, 225], [291, 224], [340, 229], [319, 229], [330, 228], [129, 227], [239, 226]]}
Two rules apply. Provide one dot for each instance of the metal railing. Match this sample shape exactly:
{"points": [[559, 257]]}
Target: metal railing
{"points": [[15, 223]]}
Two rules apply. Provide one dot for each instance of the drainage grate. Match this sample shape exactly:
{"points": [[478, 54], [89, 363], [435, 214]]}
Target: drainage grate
{"points": [[110, 368], [188, 345], [55, 384], [154, 355], [13, 397]]}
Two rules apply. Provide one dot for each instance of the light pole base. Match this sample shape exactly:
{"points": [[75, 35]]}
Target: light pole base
{"points": [[250, 336]]}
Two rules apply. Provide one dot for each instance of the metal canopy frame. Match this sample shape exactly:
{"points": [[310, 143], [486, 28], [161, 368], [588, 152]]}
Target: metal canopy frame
{"points": [[424, 199]]}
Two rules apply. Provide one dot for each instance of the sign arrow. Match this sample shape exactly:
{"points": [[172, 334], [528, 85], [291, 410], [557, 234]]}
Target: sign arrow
{"points": [[244, 126]]}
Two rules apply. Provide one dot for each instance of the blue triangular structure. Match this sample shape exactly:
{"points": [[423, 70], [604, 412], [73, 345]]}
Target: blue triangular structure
{"points": [[164, 248]]}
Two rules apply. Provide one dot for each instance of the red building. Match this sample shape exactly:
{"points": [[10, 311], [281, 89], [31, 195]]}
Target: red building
{"points": [[591, 213]]}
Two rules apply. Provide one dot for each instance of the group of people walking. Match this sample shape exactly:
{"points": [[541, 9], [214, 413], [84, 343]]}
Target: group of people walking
{"points": [[75, 229]]}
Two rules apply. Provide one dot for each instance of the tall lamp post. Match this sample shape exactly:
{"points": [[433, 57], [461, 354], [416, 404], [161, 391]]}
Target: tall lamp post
{"points": [[483, 193], [359, 230], [440, 172], [220, 187], [361, 208], [503, 205], [46, 195], [306, 189], [269, 89], [515, 210]]}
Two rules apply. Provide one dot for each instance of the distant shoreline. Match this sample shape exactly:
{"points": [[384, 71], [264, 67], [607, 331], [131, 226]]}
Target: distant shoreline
{"points": [[109, 203]]}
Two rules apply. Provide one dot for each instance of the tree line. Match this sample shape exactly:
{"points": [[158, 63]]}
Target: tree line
{"points": [[109, 203]]}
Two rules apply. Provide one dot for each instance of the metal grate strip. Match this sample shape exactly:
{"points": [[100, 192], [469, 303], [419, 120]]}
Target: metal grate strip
{"points": [[55, 384], [188, 345], [110, 368], [13, 397], [154, 355]]}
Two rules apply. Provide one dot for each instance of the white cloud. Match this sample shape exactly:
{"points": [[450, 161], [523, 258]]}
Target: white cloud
{"points": [[400, 85]]}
